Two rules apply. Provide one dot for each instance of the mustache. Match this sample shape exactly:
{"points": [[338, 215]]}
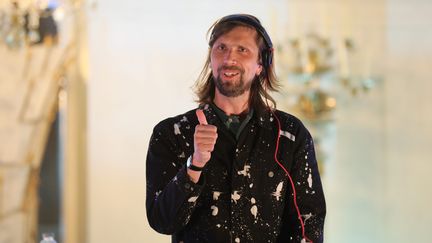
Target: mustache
{"points": [[226, 67]]}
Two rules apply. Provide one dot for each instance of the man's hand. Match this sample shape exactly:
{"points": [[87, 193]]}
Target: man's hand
{"points": [[204, 140]]}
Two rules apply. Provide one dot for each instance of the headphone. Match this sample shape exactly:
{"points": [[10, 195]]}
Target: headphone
{"points": [[267, 53]]}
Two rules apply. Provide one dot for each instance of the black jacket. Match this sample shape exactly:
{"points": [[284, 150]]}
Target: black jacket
{"points": [[243, 194]]}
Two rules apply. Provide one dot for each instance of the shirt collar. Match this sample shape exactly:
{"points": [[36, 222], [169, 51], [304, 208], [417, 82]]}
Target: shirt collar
{"points": [[265, 118]]}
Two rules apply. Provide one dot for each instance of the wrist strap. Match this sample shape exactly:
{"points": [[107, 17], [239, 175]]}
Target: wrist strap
{"points": [[193, 167]]}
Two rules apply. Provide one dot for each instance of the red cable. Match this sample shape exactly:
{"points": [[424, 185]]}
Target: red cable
{"points": [[292, 183]]}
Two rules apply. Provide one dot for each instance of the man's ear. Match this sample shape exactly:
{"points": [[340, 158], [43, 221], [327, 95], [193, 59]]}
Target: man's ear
{"points": [[259, 70]]}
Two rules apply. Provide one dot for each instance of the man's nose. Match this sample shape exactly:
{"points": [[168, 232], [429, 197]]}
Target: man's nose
{"points": [[230, 57]]}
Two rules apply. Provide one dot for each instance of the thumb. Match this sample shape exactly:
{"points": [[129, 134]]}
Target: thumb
{"points": [[201, 117]]}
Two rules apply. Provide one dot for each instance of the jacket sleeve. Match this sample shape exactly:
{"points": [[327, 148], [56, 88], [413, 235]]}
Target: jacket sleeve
{"points": [[309, 193], [171, 195]]}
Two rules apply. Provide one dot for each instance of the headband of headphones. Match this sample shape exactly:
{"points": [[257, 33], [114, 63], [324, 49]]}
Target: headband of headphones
{"points": [[267, 53]]}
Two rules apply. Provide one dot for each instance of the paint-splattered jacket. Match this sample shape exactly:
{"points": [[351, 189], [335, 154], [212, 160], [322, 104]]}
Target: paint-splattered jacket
{"points": [[243, 195]]}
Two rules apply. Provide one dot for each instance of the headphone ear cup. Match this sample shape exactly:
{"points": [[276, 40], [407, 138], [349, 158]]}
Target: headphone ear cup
{"points": [[264, 58], [270, 57], [267, 57]]}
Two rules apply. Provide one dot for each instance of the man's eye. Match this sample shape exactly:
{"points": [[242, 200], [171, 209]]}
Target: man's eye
{"points": [[221, 47], [242, 49]]}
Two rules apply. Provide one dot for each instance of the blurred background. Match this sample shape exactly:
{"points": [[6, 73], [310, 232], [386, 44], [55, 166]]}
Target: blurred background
{"points": [[82, 84]]}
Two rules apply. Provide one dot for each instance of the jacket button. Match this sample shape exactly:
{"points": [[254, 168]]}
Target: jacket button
{"points": [[187, 185]]}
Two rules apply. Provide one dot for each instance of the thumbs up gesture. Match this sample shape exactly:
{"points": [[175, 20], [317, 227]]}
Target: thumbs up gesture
{"points": [[204, 140]]}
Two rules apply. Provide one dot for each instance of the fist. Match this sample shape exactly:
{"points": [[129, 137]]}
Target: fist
{"points": [[204, 140]]}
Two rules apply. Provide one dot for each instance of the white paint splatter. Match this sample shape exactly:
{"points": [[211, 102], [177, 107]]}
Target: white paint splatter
{"points": [[216, 195], [251, 185], [254, 211], [235, 196], [215, 210], [309, 179], [307, 216], [277, 193], [192, 199], [177, 129], [237, 240], [184, 119], [245, 171], [218, 225], [253, 201], [182, 155], [288, 135]]}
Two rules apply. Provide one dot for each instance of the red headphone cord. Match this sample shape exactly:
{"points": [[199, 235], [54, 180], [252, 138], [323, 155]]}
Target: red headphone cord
{"points": [[289, 177]]}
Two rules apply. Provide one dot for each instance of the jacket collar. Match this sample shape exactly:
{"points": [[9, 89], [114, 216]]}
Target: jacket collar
{"points": [[263, 118]]}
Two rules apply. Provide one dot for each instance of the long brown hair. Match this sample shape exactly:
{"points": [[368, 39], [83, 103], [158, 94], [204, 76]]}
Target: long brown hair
{"points": [[261, 85]]}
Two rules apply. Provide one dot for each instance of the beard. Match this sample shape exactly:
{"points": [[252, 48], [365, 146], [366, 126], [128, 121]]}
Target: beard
{"points": [[232, 88]]}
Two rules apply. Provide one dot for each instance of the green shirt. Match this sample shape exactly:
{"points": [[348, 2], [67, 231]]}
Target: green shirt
{"points": [[234, 123]]}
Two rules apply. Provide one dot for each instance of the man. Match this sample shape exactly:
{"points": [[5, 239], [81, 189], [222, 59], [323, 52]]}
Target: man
{"points": [[235, 169]]}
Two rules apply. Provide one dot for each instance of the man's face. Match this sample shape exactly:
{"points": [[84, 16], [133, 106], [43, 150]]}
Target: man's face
{"points": [[234, 61]]}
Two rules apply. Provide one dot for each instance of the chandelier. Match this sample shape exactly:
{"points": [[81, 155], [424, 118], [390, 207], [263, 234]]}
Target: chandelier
{"points": [[33, 24], [318, 75], [318, 71]]}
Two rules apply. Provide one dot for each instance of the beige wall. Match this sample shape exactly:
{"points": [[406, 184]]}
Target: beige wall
{"points": [[145, 56], [409, 122]]}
